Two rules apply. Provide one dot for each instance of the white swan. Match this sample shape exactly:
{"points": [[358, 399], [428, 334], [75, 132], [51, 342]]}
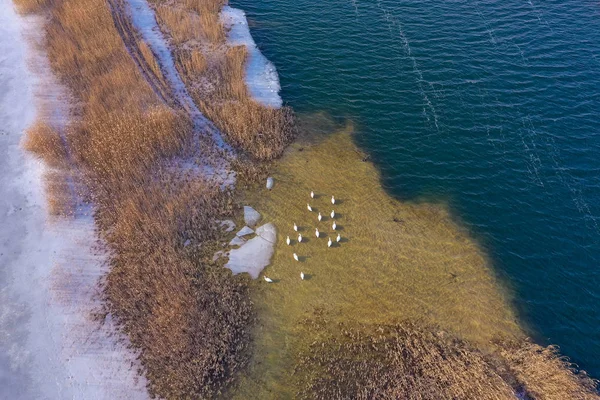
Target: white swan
{"points": [[332, 214], [302, 275], [312, 194], [334, 225], [329, 242], [332, 200], [308, 207], [296, 257], [319, 217], [317, 234], [288, 241], [268, 280], [338, 238], [295, 227], [300, 238]]}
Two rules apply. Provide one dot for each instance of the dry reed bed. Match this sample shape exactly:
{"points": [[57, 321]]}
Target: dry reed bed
{"points": [[214, 73], [188, 319], [412, 362]]}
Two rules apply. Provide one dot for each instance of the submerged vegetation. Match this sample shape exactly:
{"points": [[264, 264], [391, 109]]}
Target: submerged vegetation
{"points": [[190, 319]]}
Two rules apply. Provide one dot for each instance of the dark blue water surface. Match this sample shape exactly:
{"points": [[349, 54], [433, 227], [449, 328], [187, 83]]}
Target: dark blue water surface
{"points": [[492, 106]]}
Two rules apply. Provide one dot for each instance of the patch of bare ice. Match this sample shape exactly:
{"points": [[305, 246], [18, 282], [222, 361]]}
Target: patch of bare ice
{"points": [[245, 231], [255, 254], [261, 75], [251, 216]]}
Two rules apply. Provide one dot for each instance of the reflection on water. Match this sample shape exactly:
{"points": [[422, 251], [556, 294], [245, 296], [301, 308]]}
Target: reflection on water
{"points": [[396, 260]]}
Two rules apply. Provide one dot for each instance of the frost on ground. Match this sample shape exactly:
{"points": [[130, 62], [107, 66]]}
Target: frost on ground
{"points": [[50, 347], [261, 75], [253, 256]]}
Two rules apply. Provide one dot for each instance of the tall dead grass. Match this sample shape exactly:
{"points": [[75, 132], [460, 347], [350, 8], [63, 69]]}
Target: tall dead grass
{"points": [[188, 320], [545, 374], [46, 144], [219, 88], [408, 361]]}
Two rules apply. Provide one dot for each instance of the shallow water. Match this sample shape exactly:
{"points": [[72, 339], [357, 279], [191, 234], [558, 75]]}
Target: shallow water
{"points": [[396, 260], [490, 106]]}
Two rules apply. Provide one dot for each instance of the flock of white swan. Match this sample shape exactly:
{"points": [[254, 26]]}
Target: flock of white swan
{"points": [[317, 233]]}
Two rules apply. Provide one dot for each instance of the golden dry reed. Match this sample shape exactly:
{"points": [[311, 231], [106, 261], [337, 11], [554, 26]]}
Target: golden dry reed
{"points": [[415, 362], [187, 319], [217, 80]]}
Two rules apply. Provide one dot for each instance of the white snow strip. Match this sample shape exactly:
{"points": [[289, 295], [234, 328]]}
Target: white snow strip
{"points": [[50, 347], [254, 255], [144, 21], [261, 75]]}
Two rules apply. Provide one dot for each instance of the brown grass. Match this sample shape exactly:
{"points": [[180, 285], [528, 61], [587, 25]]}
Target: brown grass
{"points": [[412, 362], [545, 375], [46, 144], [150, 59], [188, 320], [190, 62], [58, 193], [31, 6], [219, 88], [186, 26]]}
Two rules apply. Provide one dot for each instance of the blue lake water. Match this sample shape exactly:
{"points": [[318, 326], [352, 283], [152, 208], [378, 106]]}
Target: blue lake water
{"points": [[490, 106]]}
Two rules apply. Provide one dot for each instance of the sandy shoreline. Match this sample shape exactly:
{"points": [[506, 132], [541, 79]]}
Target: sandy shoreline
{"points": [[50, 347]]}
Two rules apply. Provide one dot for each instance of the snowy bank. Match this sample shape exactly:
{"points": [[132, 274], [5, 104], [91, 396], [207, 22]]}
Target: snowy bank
{"points": [[261, 76], [50, 347]]}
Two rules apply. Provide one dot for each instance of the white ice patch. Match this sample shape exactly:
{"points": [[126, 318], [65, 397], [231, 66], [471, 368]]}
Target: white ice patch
{"points": [[253, 256], [261, 75]]}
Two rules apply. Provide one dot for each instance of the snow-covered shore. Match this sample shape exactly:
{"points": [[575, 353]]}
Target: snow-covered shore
{"points": [[50, 347], [261, 75]]}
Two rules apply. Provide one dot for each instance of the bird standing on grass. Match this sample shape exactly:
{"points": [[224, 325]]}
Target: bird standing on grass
{"points": [[332, 214], [308, 207], [288, 241], [319, 217], [338, 238], [329, 242], [317, 234], [334, 225], [296, 257], [295, 227], [300, 238], [312, 194], [332, 200], [302, 275], [268, 280]]}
